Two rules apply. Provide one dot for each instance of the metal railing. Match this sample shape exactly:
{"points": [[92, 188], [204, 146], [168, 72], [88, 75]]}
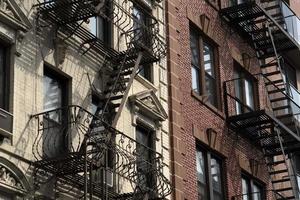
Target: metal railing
{"points": [[262, 195], [235, 103], [71, 132], [291, 21], [69, 15]]}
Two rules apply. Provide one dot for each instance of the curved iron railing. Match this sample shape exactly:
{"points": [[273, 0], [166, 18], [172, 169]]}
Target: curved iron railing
{"points": [[66, 135], [69, 14]]}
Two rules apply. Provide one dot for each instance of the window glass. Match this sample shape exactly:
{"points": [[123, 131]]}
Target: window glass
{"points": [[194, 43], [209, 178], [52, 96], [244, 90], [203, 68], [201, 176], [195, 80], [143, 152], [216, 179], [245, 189], [257, 192], [2, 78]]}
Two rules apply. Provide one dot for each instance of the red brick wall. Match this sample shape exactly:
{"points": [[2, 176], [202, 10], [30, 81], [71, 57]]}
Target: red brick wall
{"points": [[190, 118]]}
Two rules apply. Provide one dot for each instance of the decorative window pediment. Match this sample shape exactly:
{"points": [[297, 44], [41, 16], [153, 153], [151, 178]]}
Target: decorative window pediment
{"points": [[148, 104], [11, 178], [12, 15]]}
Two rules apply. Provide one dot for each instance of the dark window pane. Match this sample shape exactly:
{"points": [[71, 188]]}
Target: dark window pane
{"points": [[216, 179], [143, 151], [146, 72], [194, 43], [210, 84], [201, 176], [2, 78]]}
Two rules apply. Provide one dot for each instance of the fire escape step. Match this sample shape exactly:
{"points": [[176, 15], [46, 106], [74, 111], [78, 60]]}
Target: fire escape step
{"points": [[121, 74], [281, 108], [268, 65], [268, 55], [276, 91], [125, 80], [281, 180], [283, 189], [272, 7], [272, 73], [116, 97], [275, 82], [278, 99], [276, 162], [278, 172], [284, 116]]}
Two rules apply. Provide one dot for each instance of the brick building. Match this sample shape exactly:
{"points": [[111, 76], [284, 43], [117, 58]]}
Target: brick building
{"points": [[233, 102], [83, 100]]}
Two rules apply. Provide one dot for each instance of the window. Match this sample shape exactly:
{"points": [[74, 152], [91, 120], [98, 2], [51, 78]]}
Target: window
{"points": [[54, 94], [204, 74], [252, 190], [55, 99], [100, 26], [4, 78], [245, 89], [144, 137], [289, 75], [209, 176], [141, 26]]}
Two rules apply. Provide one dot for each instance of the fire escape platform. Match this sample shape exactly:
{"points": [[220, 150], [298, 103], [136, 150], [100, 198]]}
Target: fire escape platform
{"points": [[69, 15], [248, 20], [257, 125]]}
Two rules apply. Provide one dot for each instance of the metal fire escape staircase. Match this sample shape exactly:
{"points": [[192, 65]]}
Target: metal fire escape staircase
{"points": [[91, 142], [276, 132]]}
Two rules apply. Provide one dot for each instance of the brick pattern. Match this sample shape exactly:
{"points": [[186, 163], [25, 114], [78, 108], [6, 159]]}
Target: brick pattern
{"points": [[190, 117]]}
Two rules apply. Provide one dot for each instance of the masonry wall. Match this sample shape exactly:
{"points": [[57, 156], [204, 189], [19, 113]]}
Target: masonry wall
{"points": [[190, 116], [38, 48]]}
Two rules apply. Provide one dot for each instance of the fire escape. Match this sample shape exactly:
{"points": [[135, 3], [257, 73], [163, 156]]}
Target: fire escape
{"points": [[81, 154], [270, 27]]}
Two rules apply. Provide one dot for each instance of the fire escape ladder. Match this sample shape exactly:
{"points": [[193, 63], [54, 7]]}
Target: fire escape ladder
{"points": [[118, 86], [277, 163], [276, 87]]}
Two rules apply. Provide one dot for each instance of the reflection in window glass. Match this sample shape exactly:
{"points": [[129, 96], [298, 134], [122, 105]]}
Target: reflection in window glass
{"points": [[216, 179], [201, 177], [245, 189], [195, 80], [52, 96], [256, 192]]}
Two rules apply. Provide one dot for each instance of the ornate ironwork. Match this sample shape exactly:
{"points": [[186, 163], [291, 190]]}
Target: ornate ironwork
{"points": [[79, 149], [69, 15]]}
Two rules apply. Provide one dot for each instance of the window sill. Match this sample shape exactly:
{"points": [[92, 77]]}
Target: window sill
{"points": [[145, 83], [202, 99]]}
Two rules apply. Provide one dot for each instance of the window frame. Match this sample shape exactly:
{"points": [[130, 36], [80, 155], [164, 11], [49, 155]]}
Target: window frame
{"points": [[151, 145], [201, 39], [251, 181], [246, 75], [208, 156], [107, 26], [65, 81]]}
